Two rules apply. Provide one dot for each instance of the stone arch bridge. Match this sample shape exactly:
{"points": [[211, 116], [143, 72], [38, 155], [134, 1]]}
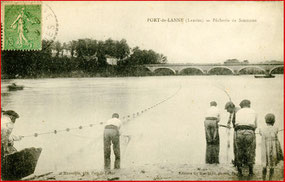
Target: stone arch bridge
{"points": [[206, 68]]}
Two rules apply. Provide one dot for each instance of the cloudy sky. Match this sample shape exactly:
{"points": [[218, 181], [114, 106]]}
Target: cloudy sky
{"points": [[186, 42]]}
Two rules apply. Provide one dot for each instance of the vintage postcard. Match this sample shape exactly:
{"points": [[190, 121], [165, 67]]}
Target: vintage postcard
{"points": [[142, 90]]}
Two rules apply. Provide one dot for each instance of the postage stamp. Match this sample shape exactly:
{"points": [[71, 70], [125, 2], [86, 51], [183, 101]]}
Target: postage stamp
{"points": [[22, 27]]}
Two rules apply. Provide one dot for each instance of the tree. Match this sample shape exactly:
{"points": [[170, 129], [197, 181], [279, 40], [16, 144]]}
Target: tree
{"points": [[58, 48], [90, 58], [122, 49], [110, 47], [140, 57], [162, 59], [81, 48], [17, 64], [72, 47]]}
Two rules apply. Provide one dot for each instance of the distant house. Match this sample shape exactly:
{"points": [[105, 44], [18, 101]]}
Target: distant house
{"points": [[232, 61], [53, 52], [63, 53], [111, 60], [66, 52]]}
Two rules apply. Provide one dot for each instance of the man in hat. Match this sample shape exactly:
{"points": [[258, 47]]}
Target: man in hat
{"points": [[232, 110], [212, 134], [8, 121], [245, 125], [112, 135]]}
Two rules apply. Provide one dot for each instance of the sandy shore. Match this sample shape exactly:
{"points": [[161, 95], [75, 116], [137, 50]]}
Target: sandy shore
{"points": [[158, 172]]}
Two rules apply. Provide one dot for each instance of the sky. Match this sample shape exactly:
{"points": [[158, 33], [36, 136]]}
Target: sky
{"points": [[182, 42]]}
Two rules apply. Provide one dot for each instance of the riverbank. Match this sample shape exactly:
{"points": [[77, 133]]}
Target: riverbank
{"points": [[80, 74], [108, 72], [161, 172]]}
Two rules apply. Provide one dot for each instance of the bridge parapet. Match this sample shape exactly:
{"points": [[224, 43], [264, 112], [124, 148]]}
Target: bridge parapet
{"points": [[206, 68]]}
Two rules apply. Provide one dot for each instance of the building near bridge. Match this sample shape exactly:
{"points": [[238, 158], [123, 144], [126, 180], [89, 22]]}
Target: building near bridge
{"points": [[63, 53], [235, 61], [111, 60]]}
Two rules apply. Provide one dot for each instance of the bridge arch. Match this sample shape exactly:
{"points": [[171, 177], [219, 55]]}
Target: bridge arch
{"points": [[281, 66], [156, 70], [147, 68], [191, 67], [224, 67], [257, 67]]}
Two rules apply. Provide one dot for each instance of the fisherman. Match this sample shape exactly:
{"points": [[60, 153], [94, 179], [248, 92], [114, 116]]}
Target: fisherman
{"points": [[212, 134], [232, 109], [245, 125], [8, 121], [112, 135]]}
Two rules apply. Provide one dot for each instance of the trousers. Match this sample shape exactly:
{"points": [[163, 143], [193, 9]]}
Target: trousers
{"points": [[213, 141], [245, 147], [111, 136]]}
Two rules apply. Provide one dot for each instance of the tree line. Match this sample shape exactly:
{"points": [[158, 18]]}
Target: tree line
{"points": [[87, 58]]}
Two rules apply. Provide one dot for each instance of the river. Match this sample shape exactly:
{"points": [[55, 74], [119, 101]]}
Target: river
{"points": [[170, 132]]}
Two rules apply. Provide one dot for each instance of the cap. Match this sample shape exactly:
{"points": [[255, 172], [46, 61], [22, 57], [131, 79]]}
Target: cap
{"points": [[213, 103], [115, 115], [11, 113], [229, 104]]}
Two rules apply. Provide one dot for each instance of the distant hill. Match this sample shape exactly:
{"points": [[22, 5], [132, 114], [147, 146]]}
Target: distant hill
{"points": [[236, 61], [273, 62]]}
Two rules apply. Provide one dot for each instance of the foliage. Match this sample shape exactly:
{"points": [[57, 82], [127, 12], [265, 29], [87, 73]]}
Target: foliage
{"points": [[87, 57], [141, 57]]}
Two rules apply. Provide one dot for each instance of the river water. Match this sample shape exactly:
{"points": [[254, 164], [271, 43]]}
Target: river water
{"points": [[171, 132]]}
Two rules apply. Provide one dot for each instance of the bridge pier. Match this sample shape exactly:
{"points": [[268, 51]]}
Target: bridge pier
{"points": [[267, 71], [205, 72], [236, 72]]}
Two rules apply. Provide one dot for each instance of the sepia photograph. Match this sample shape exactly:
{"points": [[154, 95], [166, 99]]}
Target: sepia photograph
{"points": [[142, 90]]}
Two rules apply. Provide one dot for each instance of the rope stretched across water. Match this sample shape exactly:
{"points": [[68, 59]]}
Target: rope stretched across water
{"points": [[125, 119]]}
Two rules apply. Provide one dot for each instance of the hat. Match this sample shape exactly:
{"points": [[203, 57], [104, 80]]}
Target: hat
{"points": [[213, 103], [11, 113], [115, 115], [229, 104], [244, 103]]}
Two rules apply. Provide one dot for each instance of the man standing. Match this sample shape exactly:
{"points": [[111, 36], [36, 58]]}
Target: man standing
{"points": [[232, 109], [8, 121], [246, 123], [212, 134], [112, 135]]}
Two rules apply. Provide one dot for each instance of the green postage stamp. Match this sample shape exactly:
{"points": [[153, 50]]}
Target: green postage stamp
{"points": [[22, 27]]}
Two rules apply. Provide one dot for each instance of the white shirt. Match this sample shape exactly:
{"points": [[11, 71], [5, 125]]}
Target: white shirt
{"points": [[246, 116], [214, 112], [115, 122], [6, 128]]}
